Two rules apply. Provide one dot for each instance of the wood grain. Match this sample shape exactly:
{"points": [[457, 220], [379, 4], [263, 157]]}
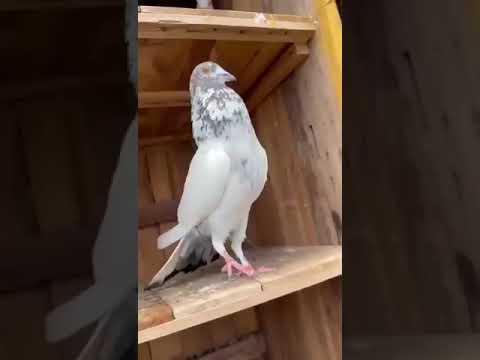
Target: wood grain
{"points": [[250, 348], [172, 23], [148, 99], [207, 294], [153, 313], [295, 55], [300, 124], [156, 214]]}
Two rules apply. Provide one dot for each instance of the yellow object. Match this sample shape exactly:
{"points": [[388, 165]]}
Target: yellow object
{"points": [[330, 38]]}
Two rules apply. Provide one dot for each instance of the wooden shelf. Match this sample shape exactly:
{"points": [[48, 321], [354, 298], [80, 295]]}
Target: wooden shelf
{"points": [[260, 50], [180, 23], [207, 294]]}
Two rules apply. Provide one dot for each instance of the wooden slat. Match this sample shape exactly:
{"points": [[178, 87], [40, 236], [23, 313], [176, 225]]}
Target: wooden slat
{"points": [[207, 294], [174, 23], [153, 314], [152, 99], [158, 213], [294, 56], [278, 72], [167, 65], [251, 348], [164, 140], [144, 352], [247, 61]]}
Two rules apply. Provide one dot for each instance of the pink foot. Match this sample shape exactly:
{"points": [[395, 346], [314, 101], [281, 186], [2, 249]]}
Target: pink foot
{"points": [[263, 269], [231, 264], [248, 270]]}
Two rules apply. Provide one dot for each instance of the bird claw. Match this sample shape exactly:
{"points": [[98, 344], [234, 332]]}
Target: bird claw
{"points": [[263, 269], [248, 270], [231, 264]]}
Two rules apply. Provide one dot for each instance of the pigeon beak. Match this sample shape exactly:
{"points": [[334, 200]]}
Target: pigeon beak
{"points": [[227, 77]]}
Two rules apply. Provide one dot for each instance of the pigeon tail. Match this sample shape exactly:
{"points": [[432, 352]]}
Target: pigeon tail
{"points": [[171, 236]]}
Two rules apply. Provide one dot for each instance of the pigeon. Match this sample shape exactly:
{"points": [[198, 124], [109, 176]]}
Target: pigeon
{"points": [[226, 176], [204, 4]]}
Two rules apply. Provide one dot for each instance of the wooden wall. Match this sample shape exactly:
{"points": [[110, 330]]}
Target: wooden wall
{"points": [[300, 126], [414, 89]]}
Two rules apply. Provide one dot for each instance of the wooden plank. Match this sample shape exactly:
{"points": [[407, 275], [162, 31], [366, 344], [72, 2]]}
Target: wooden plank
{"points": [[250, 348], [155, 214], [247, 73], [164, 140], [166, 348], [144, 352], [246, 60], [167, 65], [207, 294], [148, 255], [245, 322], [149, 99], [295, 55], [153, 314], [173, 23]]}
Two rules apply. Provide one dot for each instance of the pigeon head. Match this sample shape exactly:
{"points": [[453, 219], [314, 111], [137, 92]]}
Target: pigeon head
{"points": [[210, 74]]}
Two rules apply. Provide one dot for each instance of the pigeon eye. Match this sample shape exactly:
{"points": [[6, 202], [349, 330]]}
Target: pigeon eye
{"points": [[205, 70]]}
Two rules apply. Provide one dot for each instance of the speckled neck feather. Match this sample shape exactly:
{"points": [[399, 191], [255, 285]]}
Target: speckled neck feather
{"points": [[218, 112]]}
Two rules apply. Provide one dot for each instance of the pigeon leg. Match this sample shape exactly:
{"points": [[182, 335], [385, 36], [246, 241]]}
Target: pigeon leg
{"points": [[218, 243], [237, 242]]}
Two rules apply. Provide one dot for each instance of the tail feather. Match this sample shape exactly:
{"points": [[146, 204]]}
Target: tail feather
{"points": [[171, 236]]}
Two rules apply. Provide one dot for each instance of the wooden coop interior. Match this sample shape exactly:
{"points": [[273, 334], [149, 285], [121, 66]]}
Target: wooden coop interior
{"points": [[287, 64]]}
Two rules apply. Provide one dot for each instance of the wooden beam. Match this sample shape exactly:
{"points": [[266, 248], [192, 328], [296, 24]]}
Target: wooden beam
{"points": [[252, 347], [163, 212], [207, 294], [153, 313], [294, 56], [162, 140], [179, 23], [157, 99]]}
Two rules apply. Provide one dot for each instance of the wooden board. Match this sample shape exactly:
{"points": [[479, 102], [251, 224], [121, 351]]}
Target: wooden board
{"points": [[251, 348], [177, 23], [300, 126], [207, 294]]}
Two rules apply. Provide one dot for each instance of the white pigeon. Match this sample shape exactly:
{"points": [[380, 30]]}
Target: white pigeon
{"points": [[227, 174], [204, 4]]}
